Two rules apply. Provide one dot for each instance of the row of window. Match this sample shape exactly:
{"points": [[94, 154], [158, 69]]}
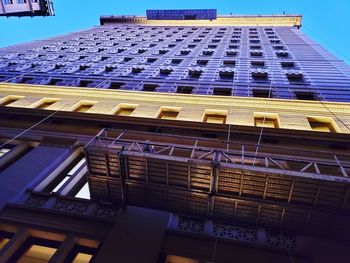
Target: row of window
{"points": [[171, 113], [11, 2], [38, 250], [257, 76]]}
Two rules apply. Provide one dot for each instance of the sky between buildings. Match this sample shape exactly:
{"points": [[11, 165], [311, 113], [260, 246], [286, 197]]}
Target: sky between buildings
{"points": [[325, 21]]}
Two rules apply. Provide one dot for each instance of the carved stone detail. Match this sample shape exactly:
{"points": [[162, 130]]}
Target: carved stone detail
{"points": [[235, 233], [35, 201], [105, 212], [70, 206], [281, 240], [190, 225]]}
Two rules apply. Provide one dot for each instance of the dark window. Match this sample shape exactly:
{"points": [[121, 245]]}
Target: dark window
{"points": [[190, 17], [184, 89], [164, 72], [202, 62], [84, 83], [176, 61], [258, 64], [116, 85], [262, 93], [282, 54], [229, 63], [226, 75], [295, 78], [288, 65], [260, 76], [208, 52], [305, 95], [127, 59], [151, 60], [220, 91], [256, 54], [54, 81], [150, 87], [195, 74]]}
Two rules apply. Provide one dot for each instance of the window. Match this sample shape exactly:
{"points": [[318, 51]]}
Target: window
{"points": [[256, 53], [194, 73], [176, 61], [169, 113], [305, 95], [36, 253], [255, 47], [258, 64], [125, 109], [165, 72], [184, 89], [35, 250], [178, 259], [25, 80], [8, 2], [229, 63], [4, 151], [60, 181], [226, 75], [83, 106], [3, 242], [85, 83], [82, 258], [44, 103], [208, 52], [136, 70], [215, 116], [295, 77], [220, 91], [260, 76], [288, 65], [150, 87], [8, 100], [262, 93], [54, 81], [322, 124], [282, 54], [231, 53], [202, 62], [185, 51], [266, 120], [116, 85], [151, 60]]}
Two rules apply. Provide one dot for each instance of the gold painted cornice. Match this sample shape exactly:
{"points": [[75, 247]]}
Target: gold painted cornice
{"points": [[229, 20], [172, 98]]}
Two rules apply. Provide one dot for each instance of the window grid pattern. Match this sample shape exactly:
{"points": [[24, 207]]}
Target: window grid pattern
{"points": [[237, 58]]}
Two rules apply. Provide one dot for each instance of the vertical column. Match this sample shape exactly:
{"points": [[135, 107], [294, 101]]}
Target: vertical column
{"points": [[137, 236]]}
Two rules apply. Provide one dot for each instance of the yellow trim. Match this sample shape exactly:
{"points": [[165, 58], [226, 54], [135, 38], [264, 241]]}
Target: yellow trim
{"points": [[235, 20], [291, 114]]}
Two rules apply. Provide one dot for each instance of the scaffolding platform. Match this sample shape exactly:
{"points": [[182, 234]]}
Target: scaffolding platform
{"points": [[224, 181]]}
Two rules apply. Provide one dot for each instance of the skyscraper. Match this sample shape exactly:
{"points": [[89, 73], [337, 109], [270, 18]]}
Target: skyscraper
{"points": [[181, 136], [21, 8]]}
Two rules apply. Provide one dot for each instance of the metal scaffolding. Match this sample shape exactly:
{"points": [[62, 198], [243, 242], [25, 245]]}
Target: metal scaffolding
{"points": [[205, 178]]}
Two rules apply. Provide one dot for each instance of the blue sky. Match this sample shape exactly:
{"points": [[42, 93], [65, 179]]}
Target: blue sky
{"points": [[325, 21]]}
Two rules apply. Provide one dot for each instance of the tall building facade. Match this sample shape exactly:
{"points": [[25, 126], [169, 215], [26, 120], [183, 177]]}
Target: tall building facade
{"points": [[22, 8], [181, 136]]}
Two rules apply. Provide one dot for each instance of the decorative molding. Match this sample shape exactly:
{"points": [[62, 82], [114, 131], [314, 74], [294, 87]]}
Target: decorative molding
{"points": [[244, 234], [172, 99], [69, 205]]}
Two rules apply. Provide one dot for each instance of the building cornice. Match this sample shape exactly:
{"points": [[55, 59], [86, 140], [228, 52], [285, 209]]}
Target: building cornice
{"points": [[222, 20], [173, 98]]}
